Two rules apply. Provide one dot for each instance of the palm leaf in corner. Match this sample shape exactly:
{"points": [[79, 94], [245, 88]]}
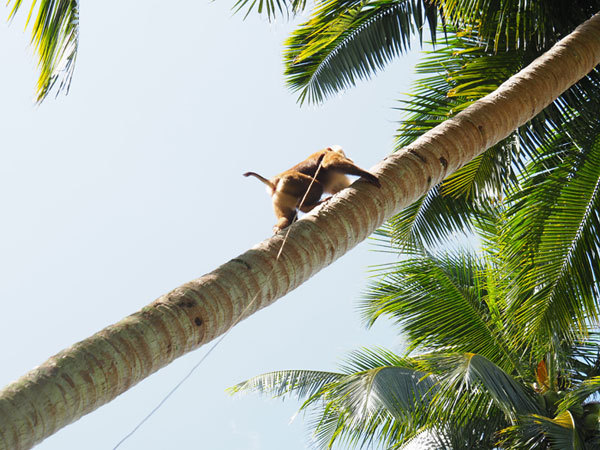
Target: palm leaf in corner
{"points": [[55, 38]]}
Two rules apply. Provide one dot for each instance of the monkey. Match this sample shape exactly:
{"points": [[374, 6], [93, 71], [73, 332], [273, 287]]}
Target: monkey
{"points": [[306, 178]]}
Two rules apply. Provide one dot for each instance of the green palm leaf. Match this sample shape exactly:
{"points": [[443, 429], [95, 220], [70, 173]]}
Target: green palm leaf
{"points": [[535, 432], [477, 434], [302, 383], [553, 239], [471, 374], [463, 202], [520, 24], [364, 395], [272, 8], [444, 302], [55, 37], [580, 393], [378, 404], [428, 221], [584, 358], [349, 40], [486, 177], [452, 77], [375, 397]]}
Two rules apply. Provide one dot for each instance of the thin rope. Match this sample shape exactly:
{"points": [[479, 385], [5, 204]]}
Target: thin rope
{"points": [[235, 322]]}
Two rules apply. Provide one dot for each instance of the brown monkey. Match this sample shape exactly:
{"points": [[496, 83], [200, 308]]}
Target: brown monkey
{"points": [[288, 188]]}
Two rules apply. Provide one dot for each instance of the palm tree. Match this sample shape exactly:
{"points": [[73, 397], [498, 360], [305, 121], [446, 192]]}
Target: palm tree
{"points": [[483, 43], [477, 373], [513, 340], [106, 364]]}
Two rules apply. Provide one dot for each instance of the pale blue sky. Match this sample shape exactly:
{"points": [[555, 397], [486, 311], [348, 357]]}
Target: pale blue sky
{"points": [[132, 185]]}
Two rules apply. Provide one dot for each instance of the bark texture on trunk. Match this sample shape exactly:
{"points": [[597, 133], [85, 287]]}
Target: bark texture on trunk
{"points": [[94, 371]]}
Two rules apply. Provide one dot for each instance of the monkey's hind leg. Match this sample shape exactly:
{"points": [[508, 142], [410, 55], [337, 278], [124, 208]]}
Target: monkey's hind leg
{"points": [[337, 162], [351, 169], [294, 190], [284, 207]]}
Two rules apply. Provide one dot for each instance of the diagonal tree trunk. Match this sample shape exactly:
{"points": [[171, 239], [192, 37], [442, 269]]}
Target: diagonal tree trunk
{"points": [[94, 371]]}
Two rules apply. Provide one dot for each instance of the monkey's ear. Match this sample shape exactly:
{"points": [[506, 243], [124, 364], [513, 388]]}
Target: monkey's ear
{"points": [[336, 148], [336, 159]]}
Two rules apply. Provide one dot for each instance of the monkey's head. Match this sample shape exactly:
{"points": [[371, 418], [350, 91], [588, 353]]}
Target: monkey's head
{"points": [[338, 149]]}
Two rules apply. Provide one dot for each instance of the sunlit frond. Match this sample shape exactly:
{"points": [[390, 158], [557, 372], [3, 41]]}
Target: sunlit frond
{"points": [[536, 432], [302, 383], [349, 40], [443, 302], [452, 76], [272, 8], [553, 239], [377, 397], [55, 38], [533, 24], [429, 220], [472, 374], [385, 404], [580, 393]]}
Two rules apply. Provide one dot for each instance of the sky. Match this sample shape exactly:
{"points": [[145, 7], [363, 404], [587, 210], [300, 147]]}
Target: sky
{"points": [[132, 185]]}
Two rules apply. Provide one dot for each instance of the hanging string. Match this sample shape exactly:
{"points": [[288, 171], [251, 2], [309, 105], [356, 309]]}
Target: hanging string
{"points": [[235, 322]]}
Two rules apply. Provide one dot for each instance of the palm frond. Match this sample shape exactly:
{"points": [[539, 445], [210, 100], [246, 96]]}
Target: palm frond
{"points": [[488, 175], [443, 302], [380, 404], [580, 393], [467, 375], [302, 383], [533, 24], [466, 201], [584, 358], [375, 397], [350, 40], [452, 77], [428, 220], [477, 434], [473, 399], [552, 239], [272, 8], [536, 432], [366, 359], [55, 37]]}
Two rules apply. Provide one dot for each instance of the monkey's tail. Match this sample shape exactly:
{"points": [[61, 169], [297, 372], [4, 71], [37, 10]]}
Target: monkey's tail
{"points": [[261, 178]]}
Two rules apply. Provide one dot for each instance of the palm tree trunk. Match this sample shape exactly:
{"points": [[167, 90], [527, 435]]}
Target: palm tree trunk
{"points": [[94, 371]]}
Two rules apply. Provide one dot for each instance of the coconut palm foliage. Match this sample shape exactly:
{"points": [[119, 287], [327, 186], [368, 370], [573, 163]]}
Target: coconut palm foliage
{"points": [[348, 40], [452, 77], [547, 173], [554, 220], [55, 38], [520, 23], [475, 375], [272, 8], [549, 229]]}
